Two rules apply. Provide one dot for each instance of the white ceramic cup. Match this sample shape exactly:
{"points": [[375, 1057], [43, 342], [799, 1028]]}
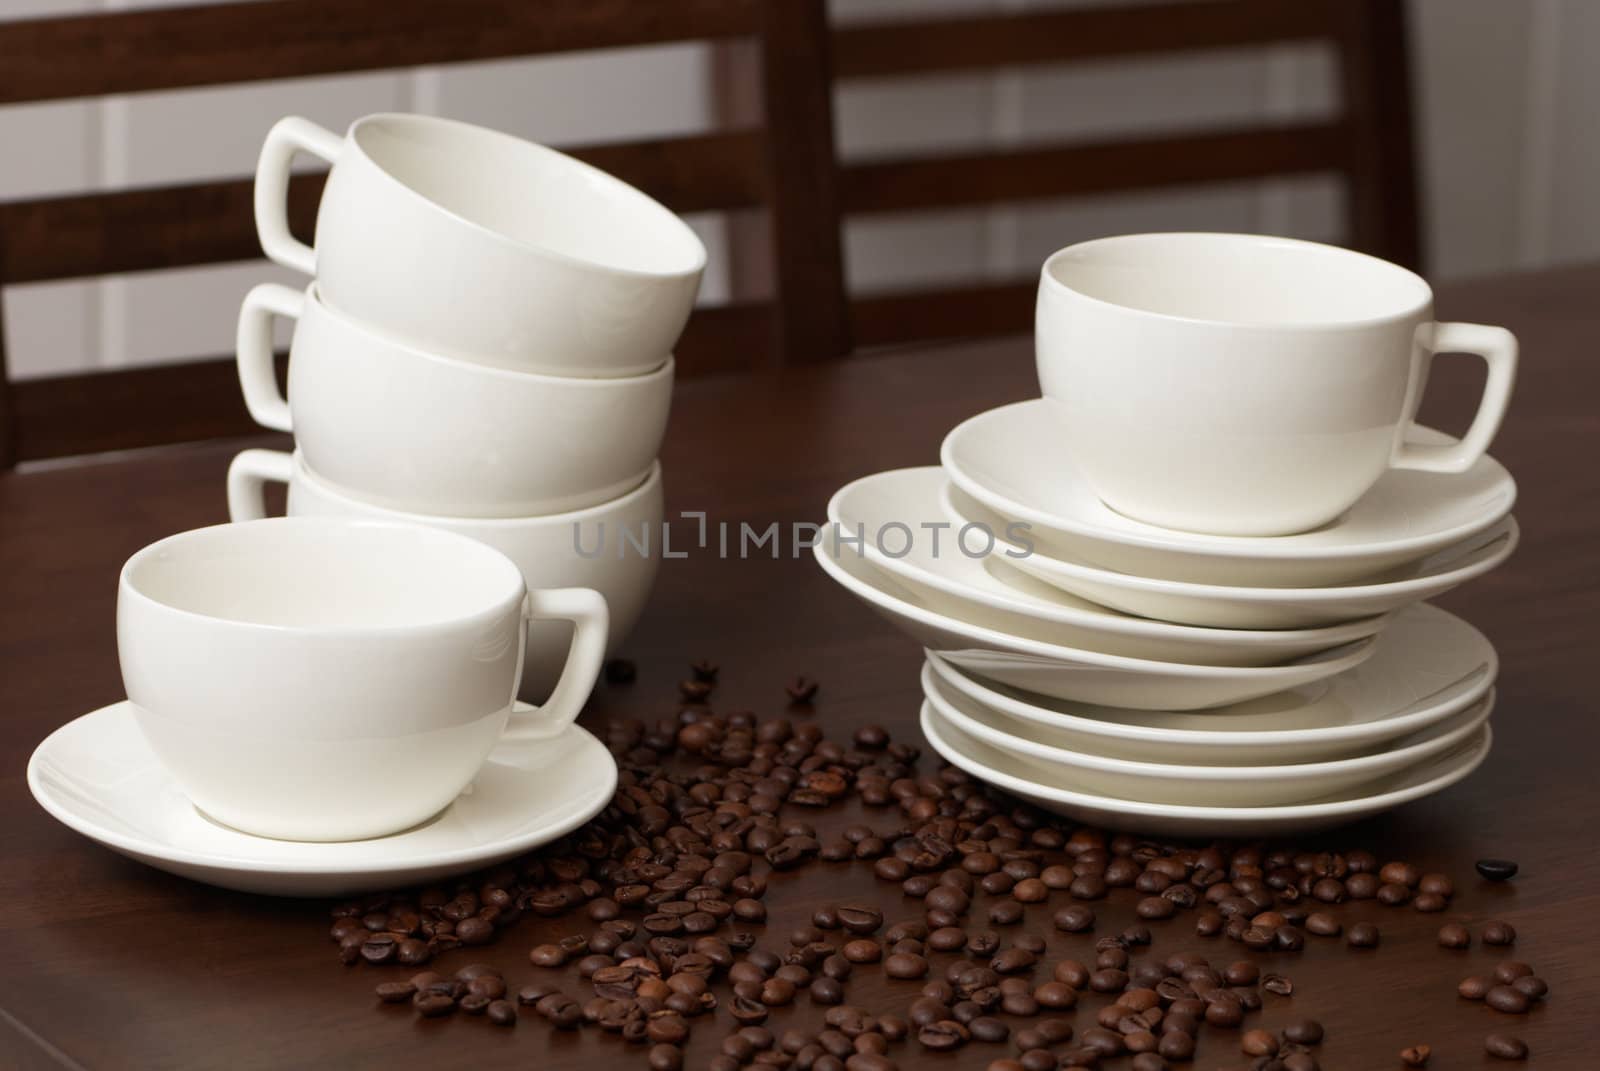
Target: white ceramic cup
{"points": [[406, 429], [542, 547], [330, 679], [483, 246], [1244, 385]]}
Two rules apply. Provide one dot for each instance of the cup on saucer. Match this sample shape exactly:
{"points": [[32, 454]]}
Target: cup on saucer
{"points": [[327, 679], [1245, 385]]}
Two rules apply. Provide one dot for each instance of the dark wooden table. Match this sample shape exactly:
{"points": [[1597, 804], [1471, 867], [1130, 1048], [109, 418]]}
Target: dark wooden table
{"points": [[106, 963]]}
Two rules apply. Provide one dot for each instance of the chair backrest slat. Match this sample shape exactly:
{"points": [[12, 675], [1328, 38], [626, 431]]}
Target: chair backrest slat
{"points": [[905, 185], [895, 47], [172, 48]]}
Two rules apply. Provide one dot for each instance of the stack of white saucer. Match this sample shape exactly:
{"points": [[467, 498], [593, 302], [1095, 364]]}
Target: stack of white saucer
{"points": [[486, 347], [1254, 655]]}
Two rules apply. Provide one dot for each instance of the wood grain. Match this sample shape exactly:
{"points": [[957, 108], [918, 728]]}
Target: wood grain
{"points": [[110, 964]]}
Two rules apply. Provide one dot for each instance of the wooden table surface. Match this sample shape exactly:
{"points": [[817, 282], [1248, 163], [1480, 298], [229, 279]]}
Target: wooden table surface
{"points": [[105, 963]]}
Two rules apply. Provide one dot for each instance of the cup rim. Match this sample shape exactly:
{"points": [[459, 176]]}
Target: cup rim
{"points": [[302, 470], [667, 369], [673, 220], [1048, 280], [516, 586]]}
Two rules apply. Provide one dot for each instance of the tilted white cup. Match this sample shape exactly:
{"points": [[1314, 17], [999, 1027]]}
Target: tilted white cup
{"points": [[410, 430], [546, 549], [330, 679], [1245, 385], [475, 244]]}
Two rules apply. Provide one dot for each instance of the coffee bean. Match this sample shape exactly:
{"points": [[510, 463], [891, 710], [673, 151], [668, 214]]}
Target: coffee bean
{"points": [[1454, 935], [665, 1057], [502, 1013], [1474, 988], [1057, 996], [1322, 924], [1504, 1046], [433, 1005], [860, 919], [1303, 1032], [547, 956], [1074, 919], [1416, 1055], [1258, 1043], [1499, 933], [1038, 1060], [905, 965], [1508, 971], [1531, 986], [1155, 907], [1503, 998], [942, 1036], [986, 1028], [1497, 869], [1362, 935]]}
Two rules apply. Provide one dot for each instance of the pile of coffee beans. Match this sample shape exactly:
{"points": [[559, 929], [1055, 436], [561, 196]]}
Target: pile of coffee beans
{"points": [[667, 888]]}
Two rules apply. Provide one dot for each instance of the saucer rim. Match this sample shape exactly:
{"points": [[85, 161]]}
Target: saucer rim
{"points": [[1346, 655], [1475, 751], [1112, 621], [1193, 544], [141, 849]]}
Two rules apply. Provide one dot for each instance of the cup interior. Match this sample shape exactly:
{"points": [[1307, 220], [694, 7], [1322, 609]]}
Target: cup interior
{"points": [[1239, 278], [530, 194], [323, 573]]}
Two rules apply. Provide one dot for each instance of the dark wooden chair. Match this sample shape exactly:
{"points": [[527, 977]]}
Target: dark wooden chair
{"points": [[1368, 145], [783, 163]]}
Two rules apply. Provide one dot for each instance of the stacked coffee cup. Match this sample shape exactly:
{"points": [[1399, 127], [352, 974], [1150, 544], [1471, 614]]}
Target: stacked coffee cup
{"points": [[485, 346], [1183, 591]]}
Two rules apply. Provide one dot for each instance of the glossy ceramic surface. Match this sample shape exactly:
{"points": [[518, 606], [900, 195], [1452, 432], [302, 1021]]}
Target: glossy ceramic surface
{"points": [[410, 430], [1219, 606], [1070, 673], [1245, 384], [545, 549], [1014, 461], [98, 776], [901, 509], [474, 244], [1170, 819], [1053, 761], [1429, 666]]}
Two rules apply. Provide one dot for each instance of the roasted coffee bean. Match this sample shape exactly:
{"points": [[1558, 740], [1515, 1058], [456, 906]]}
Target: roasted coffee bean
{"points": [[1504, 1046], [1155, 907], [862, 951], [1258, 1043], [1499, 933], [1497, 869], [905, 965], [1322, 924], [989, 1029], [1474, 988], [1303, 1032], [1416, 1055], [547, 956], [1454, 935], [1508, 971], [502, 1013], [1039, 1060], [1277, 984], [860, 919], [1074, 919], [1362, 935], [942, 1036], [1531, 986], [1503, 998]]}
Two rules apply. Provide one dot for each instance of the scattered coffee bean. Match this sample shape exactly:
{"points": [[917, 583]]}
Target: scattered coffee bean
{"points": [[1499, 933], [1454, 935], [1362, 935], [1504, 1046], [1497, 870], [1503, 998], [1416, 1055]]}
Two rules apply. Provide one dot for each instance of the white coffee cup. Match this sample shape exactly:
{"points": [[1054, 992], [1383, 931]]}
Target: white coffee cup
{"points": [[329, 679], [542, 547], [482, 246], [410, 430], [1245, 385]]}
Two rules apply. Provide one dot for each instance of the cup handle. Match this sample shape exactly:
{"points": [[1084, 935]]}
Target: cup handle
{"points": [[1498, 348], [249, 471], [253, 352], [287, 137], [587, 611]]}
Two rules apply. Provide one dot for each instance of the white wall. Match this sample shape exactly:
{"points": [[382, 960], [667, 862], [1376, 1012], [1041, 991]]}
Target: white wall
{"points": [[1509, 153]]}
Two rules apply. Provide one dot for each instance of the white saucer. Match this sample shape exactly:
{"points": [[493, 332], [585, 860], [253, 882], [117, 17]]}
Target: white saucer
{"points": [[1014, 460], [993, 593], [1219, 606], [1051, 762], [1171, 819], [1068, 672], [1428, 666], [97, 775]]}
